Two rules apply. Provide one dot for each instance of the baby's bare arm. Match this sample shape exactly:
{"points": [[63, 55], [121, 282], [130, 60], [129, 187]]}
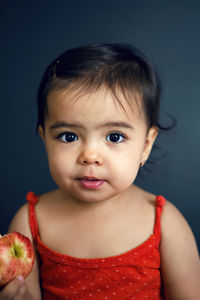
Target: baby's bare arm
{"points": [[30, 288], [180, 263]]}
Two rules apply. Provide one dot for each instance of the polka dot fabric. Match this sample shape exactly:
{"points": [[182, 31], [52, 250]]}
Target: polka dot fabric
{"points": [[131, 275]]}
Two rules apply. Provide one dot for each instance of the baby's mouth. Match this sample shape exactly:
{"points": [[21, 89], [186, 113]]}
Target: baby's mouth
{"points": [[90, 178], [91, 182]]}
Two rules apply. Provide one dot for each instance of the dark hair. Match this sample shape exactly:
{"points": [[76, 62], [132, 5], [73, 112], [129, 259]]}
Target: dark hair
{"points": [[114, 66]]}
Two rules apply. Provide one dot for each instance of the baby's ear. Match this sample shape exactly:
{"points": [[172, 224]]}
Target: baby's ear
{"points": [[150, 139], [41, 132]]}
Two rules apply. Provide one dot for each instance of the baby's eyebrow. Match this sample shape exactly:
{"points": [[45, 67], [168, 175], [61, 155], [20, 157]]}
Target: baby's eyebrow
{"points": [[57, 125], [121, 124], [117, 124]]}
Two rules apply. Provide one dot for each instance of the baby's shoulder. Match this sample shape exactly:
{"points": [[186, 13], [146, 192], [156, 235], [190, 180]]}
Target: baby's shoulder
{"points": [[51, 209], [143, 207], [173, 221], [180, 259], [174, 226], [20, 221], [46, 201], [144, 199], [170, 213]]}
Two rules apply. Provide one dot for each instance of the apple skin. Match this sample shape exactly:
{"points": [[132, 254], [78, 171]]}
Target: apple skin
{"points": [[16, 256]]}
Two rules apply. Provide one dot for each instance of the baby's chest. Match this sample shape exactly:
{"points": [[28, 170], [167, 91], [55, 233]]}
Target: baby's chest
{"points": [[83, 241]]}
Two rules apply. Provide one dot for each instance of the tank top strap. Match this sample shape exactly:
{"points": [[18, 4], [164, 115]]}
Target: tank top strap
{"points": [[160, 202], [32, 199]]}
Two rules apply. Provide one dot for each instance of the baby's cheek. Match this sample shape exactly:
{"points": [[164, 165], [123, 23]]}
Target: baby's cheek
{"points": [[126, 173], [57, 167], [128, 170]]}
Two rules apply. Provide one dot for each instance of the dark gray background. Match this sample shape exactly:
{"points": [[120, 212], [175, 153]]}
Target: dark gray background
{"points": [[34, 32]]}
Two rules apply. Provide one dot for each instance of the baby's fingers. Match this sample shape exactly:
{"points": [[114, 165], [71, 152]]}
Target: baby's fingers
{"points": [[14, 290]]}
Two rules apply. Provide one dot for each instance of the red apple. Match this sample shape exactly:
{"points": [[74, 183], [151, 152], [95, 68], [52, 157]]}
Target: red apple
{"points": [[16, 256]]}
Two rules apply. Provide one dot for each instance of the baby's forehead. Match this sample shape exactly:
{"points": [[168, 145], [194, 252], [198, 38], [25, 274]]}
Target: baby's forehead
{"points": [[100, 100]]}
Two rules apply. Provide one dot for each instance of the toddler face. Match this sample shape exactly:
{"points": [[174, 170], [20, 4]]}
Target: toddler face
{"points": [[94, 147]]}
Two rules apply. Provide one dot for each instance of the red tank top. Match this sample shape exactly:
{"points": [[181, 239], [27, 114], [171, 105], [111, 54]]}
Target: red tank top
{"points": [[134, 274]]}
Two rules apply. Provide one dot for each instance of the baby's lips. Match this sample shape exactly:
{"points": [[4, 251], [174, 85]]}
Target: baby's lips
{"points": [[91, 178]]}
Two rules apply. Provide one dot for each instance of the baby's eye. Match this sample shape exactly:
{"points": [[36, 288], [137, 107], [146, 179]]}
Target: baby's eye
{"points": [[67, 137], [115, 137]]}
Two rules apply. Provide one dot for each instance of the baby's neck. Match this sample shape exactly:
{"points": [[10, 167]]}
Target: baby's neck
{"points": [[105, 208]]}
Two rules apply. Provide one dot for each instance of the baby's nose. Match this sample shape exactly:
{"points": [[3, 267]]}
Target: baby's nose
{"points": [[90, 157]]}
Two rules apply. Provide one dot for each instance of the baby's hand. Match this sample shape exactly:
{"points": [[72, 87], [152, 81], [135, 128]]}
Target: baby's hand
{"points": [[14, 290]]}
